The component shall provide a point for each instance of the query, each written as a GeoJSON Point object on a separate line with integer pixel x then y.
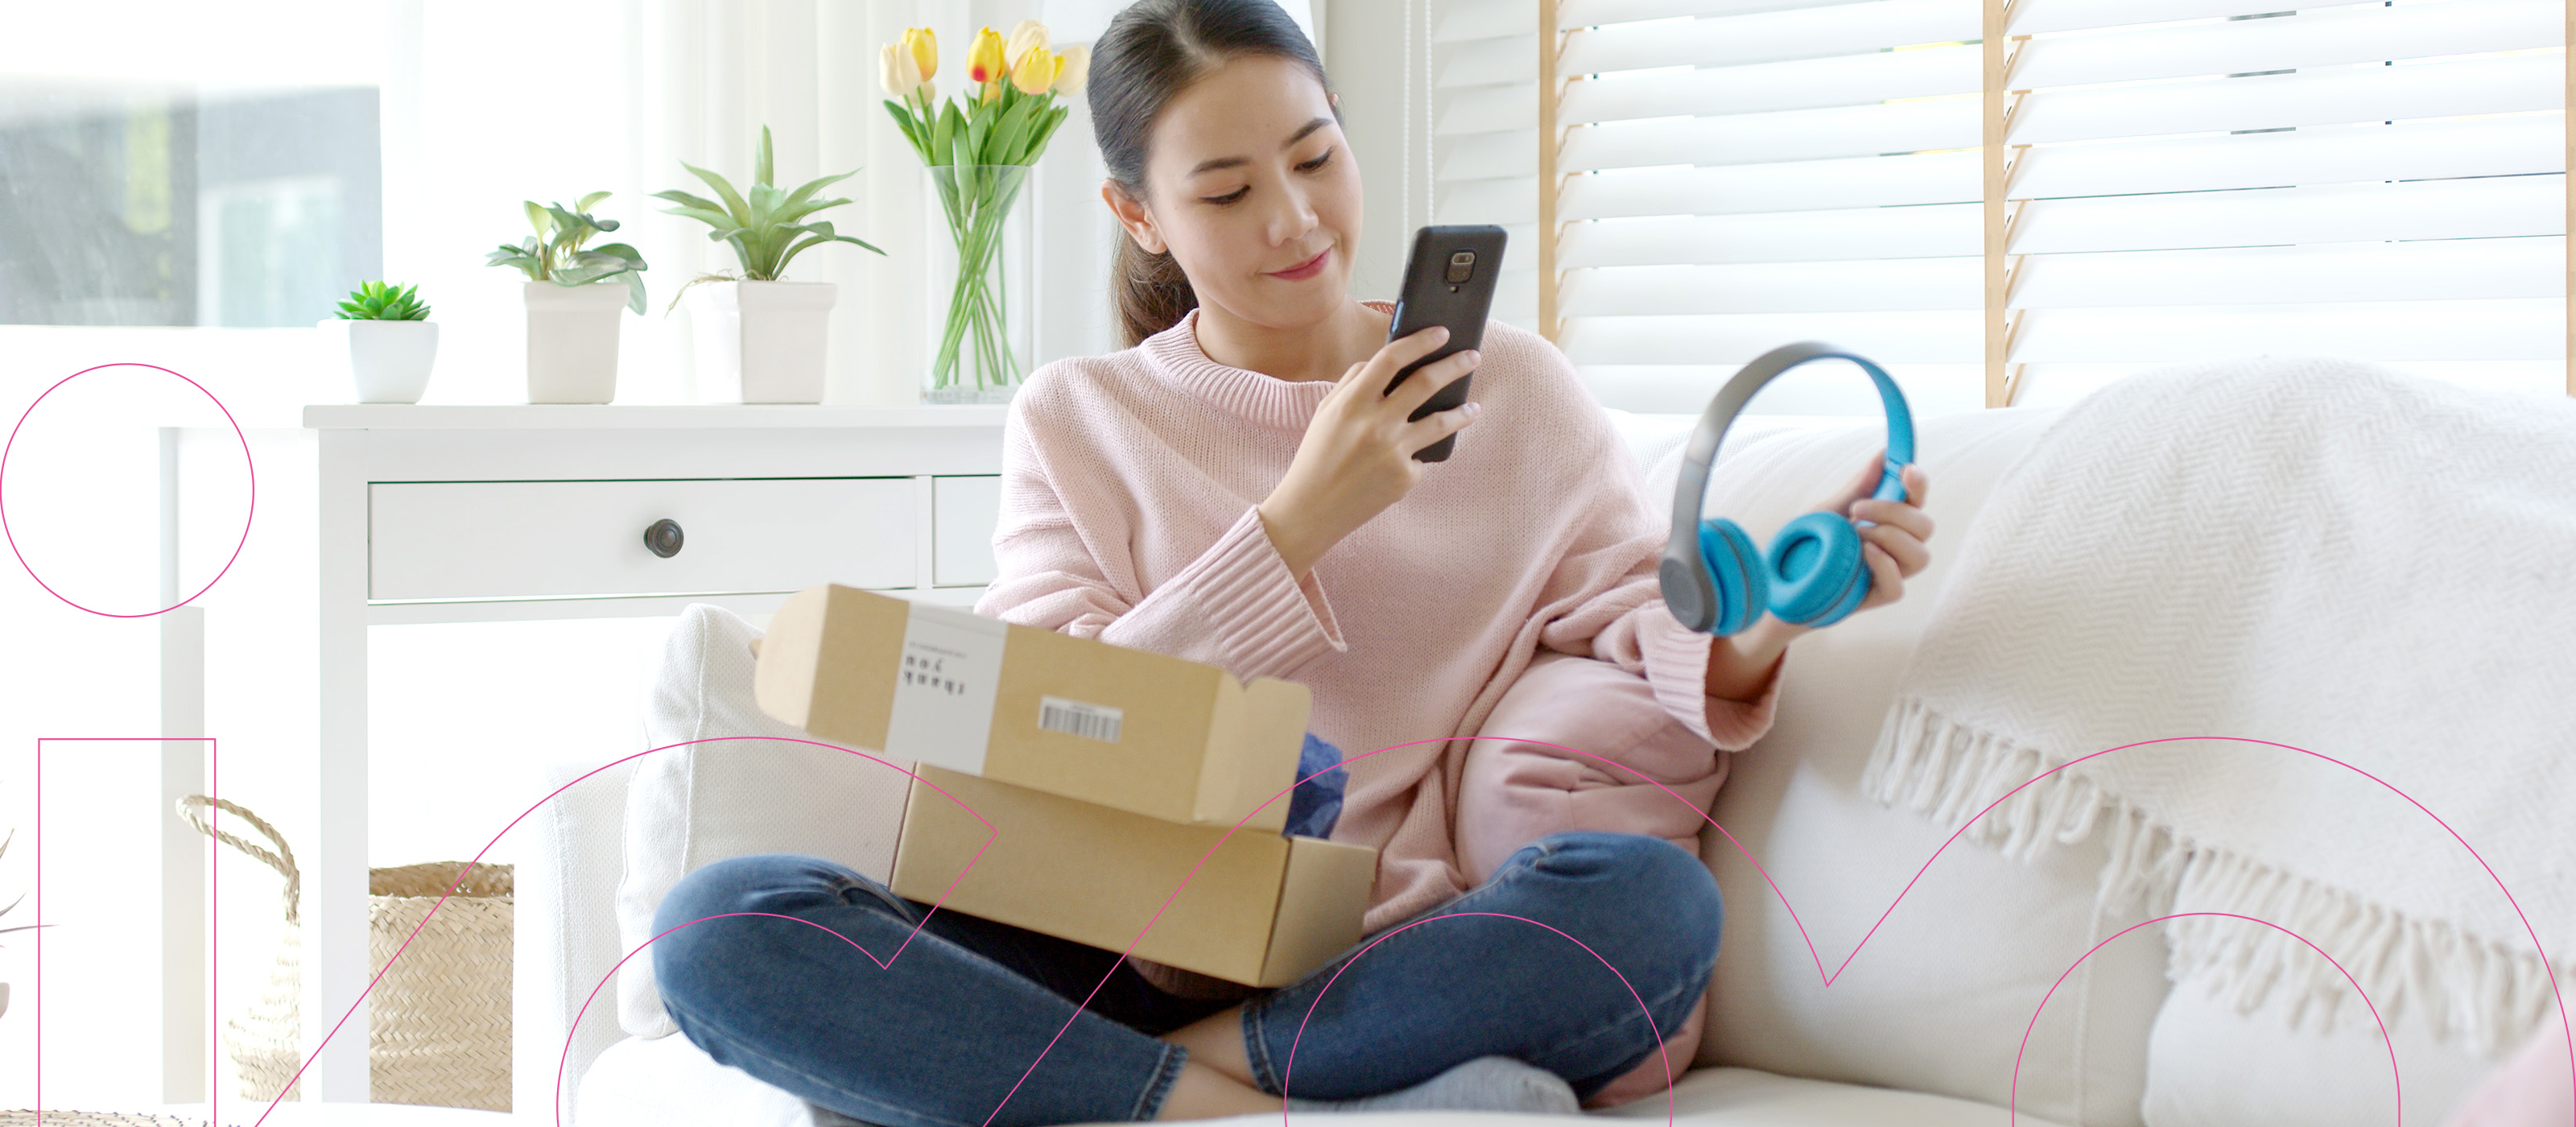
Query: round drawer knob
{"type": "Point", "coordinates": [664, 538]}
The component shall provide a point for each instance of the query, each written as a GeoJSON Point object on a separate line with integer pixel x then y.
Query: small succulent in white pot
{"type": "Point", "coordinates": [572, 296]}
{"type": "Point", "coordinates": [392, 342]}
{"type": "Point", "coordinates": [761, 339]}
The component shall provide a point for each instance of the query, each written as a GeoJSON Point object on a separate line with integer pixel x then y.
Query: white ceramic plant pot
{"type": "Point", "coordinates": [391, 359]}
{"type": "Point", "coordinates": [572, 341]}
{"type": "Point", "coordinates": [761, 342]}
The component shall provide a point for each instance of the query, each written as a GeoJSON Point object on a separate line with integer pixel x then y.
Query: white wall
{"type": "Point", "coordinates": [667, 81]}
{"type": "Point", "coordinates": [1368, 44]}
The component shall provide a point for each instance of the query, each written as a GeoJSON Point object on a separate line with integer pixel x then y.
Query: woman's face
{"type": "Point", "coordinates": [1251, 187]}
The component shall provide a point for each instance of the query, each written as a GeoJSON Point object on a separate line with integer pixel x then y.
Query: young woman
{"type": "Point", "coordinates": [1235, 488]}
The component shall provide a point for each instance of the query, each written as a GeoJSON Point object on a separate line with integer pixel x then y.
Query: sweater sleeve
{"type": "Point", "coordinates": [1061, 559]}
{"type": "Point", "coordinates": [1604, 599]}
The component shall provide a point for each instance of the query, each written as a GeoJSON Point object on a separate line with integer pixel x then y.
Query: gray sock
{"type": "Point", "coordinates": [1482, 1084]}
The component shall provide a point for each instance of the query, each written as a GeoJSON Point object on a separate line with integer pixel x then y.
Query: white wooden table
{"type": "Point", "coordinates": [491, 513]}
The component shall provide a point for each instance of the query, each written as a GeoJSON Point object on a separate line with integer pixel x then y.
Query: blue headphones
{"type": "Point", "coordinates": [1714, 581]}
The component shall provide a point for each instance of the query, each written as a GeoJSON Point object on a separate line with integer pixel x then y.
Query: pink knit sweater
{"type": "Point", "coordinates": [1128, 490]}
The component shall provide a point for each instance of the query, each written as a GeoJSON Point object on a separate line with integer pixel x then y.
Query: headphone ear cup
{"type": "Point", "coordinates": [1735, 571]}
{"type": "Point", "coordinates": [1815, 570]}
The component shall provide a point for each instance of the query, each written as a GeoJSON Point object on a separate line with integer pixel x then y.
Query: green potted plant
{"type": "Point", "coordinates": [572, 305]}
{"type": "Point", "coordinates": [392, 342]}
{"type": "Point", "coordinates": [760, 338]}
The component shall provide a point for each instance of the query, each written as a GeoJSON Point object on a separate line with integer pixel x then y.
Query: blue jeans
{"type": "Point", "coordinates": [946, 1034]}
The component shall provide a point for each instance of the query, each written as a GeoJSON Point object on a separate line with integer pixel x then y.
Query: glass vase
{"type": "Point", "coordinates": [982, 283]}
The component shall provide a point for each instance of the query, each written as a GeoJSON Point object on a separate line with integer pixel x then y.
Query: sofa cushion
{"type": "Point", "coordinates": [759, 786]}
{"type": "Point", "coordinates": [2532, 1086]}
{"type": "Point", "coordinates": [1941, 995]}
{"type": "Point", "coordinates": [2209, 1065]}
{"type": "Point", "coordinates": [565, 942]}
{"type": "Point", "coordinates": [671, 1082]}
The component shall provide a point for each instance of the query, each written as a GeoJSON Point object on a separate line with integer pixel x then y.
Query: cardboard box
{"type": "Point", "coordinates": [1125, 728]}
{"type": "Point", "coordinates": [1263, 910]}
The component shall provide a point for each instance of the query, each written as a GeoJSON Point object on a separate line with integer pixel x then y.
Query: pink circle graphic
{"type": "Point", "coordinates": [4, 490]}
{"type": "Point", "coordinates": [564, 1060]}
{"type": "Point", "coordinates": [2012, 1111]}
{"type": "Point", "coordinates": [1662, 1050]}
{"type": "Point", "coordinates": [1827, 978]}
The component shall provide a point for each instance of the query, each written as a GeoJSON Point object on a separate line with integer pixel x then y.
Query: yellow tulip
{"type": "Point", "coordinates": [924, 46]}
{"type": "Point", "coordinates": [984, 60]}
{"type": "Point", "coordinates": [1072, 67]}
{"type": "Point", "coordinates": [896, 71]}
{"type": "Point", "coordinates": [1029, 35]}
{"type": "Point", "coordinates": [1036, 71]}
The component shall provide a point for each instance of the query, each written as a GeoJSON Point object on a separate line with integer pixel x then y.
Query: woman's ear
{"type": "Point", "coordinates": [1132, 215]}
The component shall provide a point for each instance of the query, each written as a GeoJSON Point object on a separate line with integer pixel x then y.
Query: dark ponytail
{"type": "Point", "coordinates": [1151, 291]}
{"type": "Point", "coordinates": [1153, 50]}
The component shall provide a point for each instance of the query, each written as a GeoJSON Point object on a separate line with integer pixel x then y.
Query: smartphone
{"type": "Point", "coordinates": [1448, 280]}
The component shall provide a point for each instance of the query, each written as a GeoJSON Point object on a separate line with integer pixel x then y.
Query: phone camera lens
{"type": "Point", "coordinates": [1462, 266]}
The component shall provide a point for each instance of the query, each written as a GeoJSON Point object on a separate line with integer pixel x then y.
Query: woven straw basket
{"type": "Point", "coordinates": [439, 1019]}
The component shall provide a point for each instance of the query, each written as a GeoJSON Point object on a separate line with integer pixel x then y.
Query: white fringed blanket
{"type": "Point", "coordinates": [2367, 566]}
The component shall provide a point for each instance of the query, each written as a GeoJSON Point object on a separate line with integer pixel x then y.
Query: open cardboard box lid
{"type": "Point", "coordinates": [1262, 909]}
{"type": "Point", "coordinates": [1126, 728]}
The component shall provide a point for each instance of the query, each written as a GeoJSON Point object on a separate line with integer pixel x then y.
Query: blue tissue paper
{"type": "Point", "coordinates": [1317, 802]}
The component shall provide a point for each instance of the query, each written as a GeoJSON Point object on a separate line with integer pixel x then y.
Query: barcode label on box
{"type": "Point", "coordinates": [1074, 718]}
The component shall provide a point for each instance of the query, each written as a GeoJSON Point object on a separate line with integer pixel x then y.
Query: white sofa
{"type": "Point", "coordinates": [1929, 1023]}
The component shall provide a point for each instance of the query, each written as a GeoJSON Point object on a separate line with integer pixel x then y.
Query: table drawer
{"type": "Point", "coordinates": [502, 539]}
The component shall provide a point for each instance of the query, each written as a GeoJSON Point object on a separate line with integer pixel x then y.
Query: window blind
{"type": "Point", "coordinates": [1738, 174]}
{"type": "Point", "coordinates": [2383, 181]}
{"type": "Point", "coordinates": [2178, 180]}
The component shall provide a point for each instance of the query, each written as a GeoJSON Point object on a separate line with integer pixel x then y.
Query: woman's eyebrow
{"type": "Point", "coordinates": [1293, 138]}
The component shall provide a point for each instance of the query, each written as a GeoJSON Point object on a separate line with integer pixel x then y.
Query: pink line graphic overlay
{"type": "Point", "coordinates": [1826, 977]}
{"type": "Point", "coordinates": [247, 514]}
{"type": "Point", "coordinates": [2013, 1110]}
{"type": "Point", "coordinates": [564, 1060]}
{"type": "Point", "coordinates": [1661, 1052]}
{"type": "Point", "coordinates": [214, 1038]}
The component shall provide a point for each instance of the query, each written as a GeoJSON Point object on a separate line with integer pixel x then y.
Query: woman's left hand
{"type": "Point", "coordinates": [1893, 544]}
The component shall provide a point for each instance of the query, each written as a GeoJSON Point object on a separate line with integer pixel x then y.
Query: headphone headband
{"type": "Point", "coordinates": [1685, 582]}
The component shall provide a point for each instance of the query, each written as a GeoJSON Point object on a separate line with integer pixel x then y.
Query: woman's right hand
{"type": "Point", "coordinates": [1357, 456]}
